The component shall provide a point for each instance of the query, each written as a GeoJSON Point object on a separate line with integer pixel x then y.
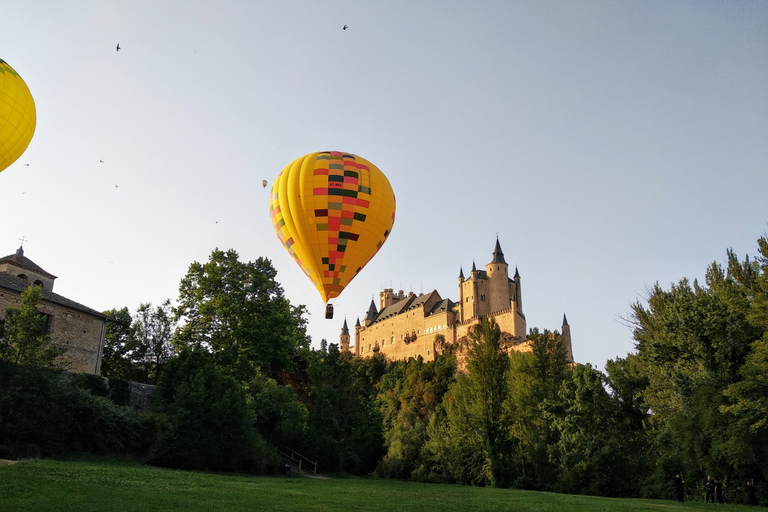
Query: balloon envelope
{"type": "Point", "coordinates": [17, 115]}
{"type": "Point", "coordinates": [332, 211]}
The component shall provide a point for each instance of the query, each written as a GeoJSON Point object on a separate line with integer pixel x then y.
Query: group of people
{"type": "Point", "coordinates": [713, 490]}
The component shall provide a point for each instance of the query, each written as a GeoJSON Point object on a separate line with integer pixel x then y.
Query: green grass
{"type": "Point", "coordinates": [106, 485]}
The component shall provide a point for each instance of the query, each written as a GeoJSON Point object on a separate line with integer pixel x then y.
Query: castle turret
{"type": "Point", "coordinates": [567, 340]}
{"type": "Point", "coordinates": [358, 327]}
{"type": "Point", "coordinates": [461, 294]}
{"type": "Point", "coordinates": [344, 337]}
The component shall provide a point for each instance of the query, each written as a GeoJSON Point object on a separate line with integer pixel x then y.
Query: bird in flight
{"type": "Point", "coordinates": [118, 47]}
{"type": "Point", "coordinates": [344, 27]}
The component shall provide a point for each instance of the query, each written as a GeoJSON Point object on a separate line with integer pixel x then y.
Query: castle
{"type": "Point", "coordinates": [409, 326]}
{"type": "Point", "coordinates": [77, 328]}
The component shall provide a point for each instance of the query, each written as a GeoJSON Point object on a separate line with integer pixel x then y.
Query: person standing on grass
{"type": "Point", "coordinates": [709, 489]}
{"type": "Point", "coordinates": [751, 493]}
{"type": "Point", "coordinates": [718, 491]}
{"type": "Point", "coordinates": [679, 490]}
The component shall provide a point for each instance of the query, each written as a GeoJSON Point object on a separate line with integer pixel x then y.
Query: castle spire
{"type": "Point", "coordinates": [345, 329]}
{"type": "Point", "coordinates": [517, 274]}
{"type": "Point", "coordinates": [474, 268]}
{"type": "Point", "coordinates": [565, 320]}
{"type": "Point", "coordinates": [372, 312]}
{"type": "Point", "coordinates": [461, 273]}
{"type": "Point", "coordinates": [498, 256]}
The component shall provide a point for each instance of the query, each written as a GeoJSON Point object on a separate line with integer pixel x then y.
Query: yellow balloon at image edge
{"type": "Point", "coordinates": [17, 115]}
{"type": "Point", "coordinates": [332, 211]}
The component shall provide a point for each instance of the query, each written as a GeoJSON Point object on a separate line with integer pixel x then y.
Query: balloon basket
{"type": "Point", "coordinates": [329, 311]}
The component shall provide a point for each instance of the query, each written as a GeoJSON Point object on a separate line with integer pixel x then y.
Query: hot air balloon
{"type": "Point", "coordinates": [332, 211]}
{"type": "Point", "coordinates": [17, 115]}
{"type": "Point", "coordinates": [263, 183]}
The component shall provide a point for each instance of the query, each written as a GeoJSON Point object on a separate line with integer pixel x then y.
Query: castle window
{"type": "Point", "coordinates": [23, 277]}
{"type": "Point", "coordinates": [482, 298]}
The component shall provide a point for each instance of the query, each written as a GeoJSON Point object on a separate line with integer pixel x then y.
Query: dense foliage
{"type": "Point", "coordinates": [236, 378]}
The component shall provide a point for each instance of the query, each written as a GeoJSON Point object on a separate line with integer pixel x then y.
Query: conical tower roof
{"type": "Point", "coordinates": [498, 256]}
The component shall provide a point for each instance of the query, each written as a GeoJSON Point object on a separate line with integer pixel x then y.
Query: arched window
{"type": "Point", "coordinates": [23, 277]}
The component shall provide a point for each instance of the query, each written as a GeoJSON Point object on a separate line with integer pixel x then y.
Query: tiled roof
{"type": "Point", "coordinates": [20, 260]}
{"type": "Point", "coordinates": [14, 283]}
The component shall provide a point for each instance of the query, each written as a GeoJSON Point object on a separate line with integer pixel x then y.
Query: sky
{"type": "Point", "coordinates": [609, 145]}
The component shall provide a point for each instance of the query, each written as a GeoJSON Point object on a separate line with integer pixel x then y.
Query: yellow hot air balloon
{"type": "Point", "coordinates": [332, 211]}
{"type": "Point", "coordinates": [17, 115]}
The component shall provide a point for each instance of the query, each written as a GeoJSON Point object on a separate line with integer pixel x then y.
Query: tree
{"type": "Point", "coordinates": [152, 331]}
{"type": "Point", "coordinates": [116, 360]}
{"type": "Point", "coordinates": [137, 348]}
{"type": "Point", "coordinates": [207, 423]}
{"type": "Point", "coordinates": [344, 424]}
{"type": "Point", "coordinates": [475, 446]}
{"type": "Point", "coordinates": [23, 340]}
{"type": "Point", "coordinates": [409, 394]}
{"type": "Point", "coordinates": [595, 451]}
{"type": "Point", "coordinates": [238, 312]}
{"type": "Point", "coordinates": [697, 346]}
{"type": "Point", "coordinates": [535, 377]}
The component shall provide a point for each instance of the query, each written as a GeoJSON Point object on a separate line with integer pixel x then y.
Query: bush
{"type": "Point", "coordinates": [119, 391]}
{"type": "Point", "coordinates": [44, 414]}
{"type": "Point", "coordinates": [94, 384]}
{"type": "Point", "coordinates": [207, 424]}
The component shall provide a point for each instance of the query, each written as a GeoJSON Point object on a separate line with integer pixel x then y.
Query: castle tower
{"type": "Point", "coordinates": [461, 294]}
{"type": "Point", "coordinates": [567, 339]}
{"type": "Point", "coordinates": [344, 337]}
{"type": "Point", "coordinates": [358, 327]}
{"type": "Point", "coordinates": [498, 288]}
{"type": "Point", "coordinates": [25, 269]}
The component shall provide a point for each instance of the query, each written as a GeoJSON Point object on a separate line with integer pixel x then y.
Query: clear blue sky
{"type": "Point", "coordinates": [610, 145]}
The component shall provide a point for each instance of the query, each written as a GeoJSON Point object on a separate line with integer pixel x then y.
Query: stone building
{"type": "Point", "coordinates": [405, 326]}
{"type": "Point", "coordinates": [77, 328]}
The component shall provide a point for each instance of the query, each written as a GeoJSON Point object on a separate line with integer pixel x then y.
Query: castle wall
{"type": "Point", "coordinates": [81, 334]}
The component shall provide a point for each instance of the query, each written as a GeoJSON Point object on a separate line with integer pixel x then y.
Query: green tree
{"type": "Point", "coordinates": [116, 359]}
{"type": "Point", "coordinates": [595, 451]}
{"type": "Point", "coordinates": [475, 446]}
{"type": "Point", "coordinates": [535, 377]}
{"type": "Point", "coordinates": [696, 344]}
{"type": "Point", "coordinates": [344, 423]}
{"type": "Point", "coordinates": [23, 340]}
{"type": "Point", "coordinates": [137, 347]}
{"type": "Point", "coordinates": [152, 331]}
{"type": "Point", "coordinates": [237, 311]}
{"type": "Point", "coordinates": [207, 423]}
{"type": "Point", "coordinates": [409, 394]}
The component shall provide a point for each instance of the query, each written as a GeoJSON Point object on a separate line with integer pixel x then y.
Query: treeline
{"type": "Point", "coordinates": [236, 375]}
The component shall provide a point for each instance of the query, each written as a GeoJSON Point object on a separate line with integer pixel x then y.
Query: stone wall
{"type": "Point", "coordinates": [79, 333]}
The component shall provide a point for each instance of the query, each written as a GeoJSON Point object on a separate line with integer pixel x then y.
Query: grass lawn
{"type": "Point", "coordinates": [106, 485]}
